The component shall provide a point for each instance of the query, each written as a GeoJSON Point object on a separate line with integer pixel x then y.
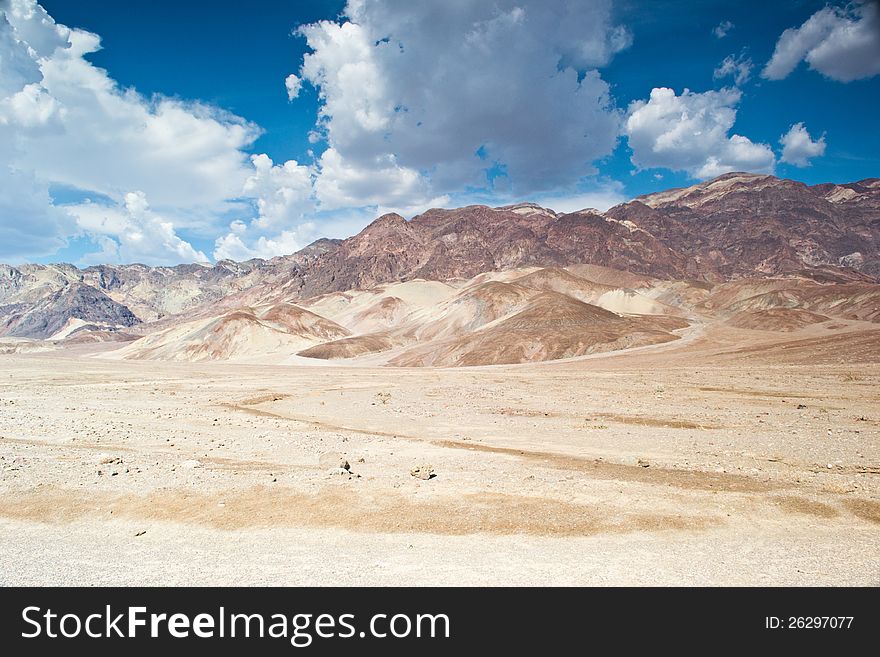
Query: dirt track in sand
{"type": "Point", "coordinates": [694, 464]}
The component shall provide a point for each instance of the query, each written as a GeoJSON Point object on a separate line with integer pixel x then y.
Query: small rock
{"type": "Point", "coordinates": [422, 472]}
{"type": "Point", "coordinates": [642, 463]}
{"type": "Point", "coordinates": [333, 460]}
{"type": "Point", "coordinates": [801, 406]}
{"type": "Point", "coordinates": [141, 533]}
{"type": "Point", "coordinates": [338, 472]}
{"type": "Point", "coordinates": [190, 464]}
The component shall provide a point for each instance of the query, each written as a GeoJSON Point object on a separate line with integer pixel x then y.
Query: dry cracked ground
{"type": "Point", "coordinates": [698, 463]}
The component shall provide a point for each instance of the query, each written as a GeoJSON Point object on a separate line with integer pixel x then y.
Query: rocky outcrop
{"type": "Point", "coordinates": [76, 301]}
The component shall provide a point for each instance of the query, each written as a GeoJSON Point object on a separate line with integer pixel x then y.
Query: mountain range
{"type": "Point", "coordinates": [582, 269]}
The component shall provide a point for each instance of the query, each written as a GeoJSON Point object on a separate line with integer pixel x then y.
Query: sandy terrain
{"type": "Point", "coordinates": [726, 457]}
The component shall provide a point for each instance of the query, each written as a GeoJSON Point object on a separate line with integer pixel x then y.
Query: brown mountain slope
{"type": "Point", "coordinates": [857, 301]}
{"type": "Point", "coordinates": [746, 224]}
{"type": "Point", "coordinates": [461, 243]}
{"type": "Point", "coordinates": [298, 321]}
{"type": "Point", "coordinates": [735, 226]}
{"type": "Point", "coordinates": [775, 319]}
{"type": "Point", "coordinates": [551, 326]}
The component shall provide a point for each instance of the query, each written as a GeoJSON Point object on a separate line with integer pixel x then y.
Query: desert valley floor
{"type": "Point", "coordinates": [724, 457]}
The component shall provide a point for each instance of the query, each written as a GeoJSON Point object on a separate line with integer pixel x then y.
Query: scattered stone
{"type": "Point", "coordinates": [190, 464]}
{"type": "Point", "coordinates": [338, 472]}
{"type": "Point", "coordinates": [422, 472]}
{"type": "Point", "coordinates": [642, 463]}
{"type": "Point", "coordinates": [107, 459]}
{"type": "Point", "coordinates": [141, 533]}
{"type": "Point", "coordinates": [333, 460]}
{"type": "Point", "coordinates": [801, 406]}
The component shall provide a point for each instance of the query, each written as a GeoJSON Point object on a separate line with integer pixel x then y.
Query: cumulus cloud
{"type": "Point", "coordinates": [842, 44]}
{"type": "Point", "coordinates": [738, 67]}
{"type": "Point", "coordinates": [29, 224]}
{"type": "Point", "coordinates": [380, 181]}
{"type": "Point", "coordinates": [419, 104]}
{"type": "Point", "coordinates": [232, 246]}
{"type": "Point", "coordinates": [65, 122]}
{"type": "Point", "coordinates": [720, 31]}
{"type": "Point", "coordinates": [293, 85]}
{"type": "Point", "coordinates": [244, 241]}
{"type": "Point", "coordinates": [283, 192]}
{"type": "Point", "coordinates": [424, 99]}
{"type": "Point", "coordinates": [601, 198]}
{"type": "Point", "coordinates": [132, 232]}
{"type": "Point", "coordinates": [283, 195]}
{"type": "Point", "coordinates": [798, 148]}
{"type": "Point", "coordinates": [690, 133]}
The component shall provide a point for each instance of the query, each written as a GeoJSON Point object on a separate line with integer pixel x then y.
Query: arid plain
{"type": "Point", "coordinates": [726, 457]}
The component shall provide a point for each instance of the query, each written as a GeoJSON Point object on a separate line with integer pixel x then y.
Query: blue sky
{"type": "Point", "coordinates": [165, 132]}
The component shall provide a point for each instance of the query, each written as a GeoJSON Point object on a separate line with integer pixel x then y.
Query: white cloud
{"type": "Point", "coordinates": [840, 43]}
{"type": "Point", "coordinates": [293, 85]}
{"type": "Point", "coordinates": [398, 139]}
{"type": "Point", "coordinates": [183, 155]}
{"type": "Point", "coordinates": [29, 224]}
{"type": "Point", "coordinates": [416, 101]}
{"type": "Point", "coordinates": [798, 148]}
{"type": "Point", "coordinates": [132, 232]}
{"type": "Point", "coordinates": [232, 246]}
{"type": "Point", "coordinates": [283, 192]}
{"type": "Point", "coordinates": [739, 67]}
{"type": "Point", "coordinates": [690, 133]}
{"type": "Point", "coordinates": [379, 181]}
{"type": "Point", "coordinates": [720, 31]}
{"type": "Point", "coordinates": [601, 198]}
{"type": "Point", "coordinates": [65, 122]}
